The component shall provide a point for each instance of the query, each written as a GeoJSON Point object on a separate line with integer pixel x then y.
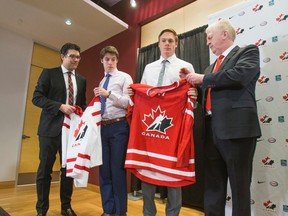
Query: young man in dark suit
{"type": "Point", "coordinates": [56, 93]}
{"type": "Point", "coordinates": [231, 122]}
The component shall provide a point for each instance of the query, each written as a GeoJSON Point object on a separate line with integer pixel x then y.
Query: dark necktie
{"type": "Point", "coordinates": [161, 74]}
{"type": "Point", "coordinates": [71, 90]}
{"type": "Point", "coordinates": [208, 98]}
{"type": "Point", "coordinates": [103, 99]}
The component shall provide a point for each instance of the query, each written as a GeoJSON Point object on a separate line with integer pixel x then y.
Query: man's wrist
{"type": "Point", "coordinates": [109, 93]}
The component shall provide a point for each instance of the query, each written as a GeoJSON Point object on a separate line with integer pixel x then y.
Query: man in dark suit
{"type": "Point", "coordinates": [231, 123]}
{"type": "Point", "coordinates": [52, 94]}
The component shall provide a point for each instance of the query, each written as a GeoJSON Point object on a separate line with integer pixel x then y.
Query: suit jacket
{"type": "Point", "coordinates": [50, 92]}
{"type": "Point", "coordinates": [234, 109]}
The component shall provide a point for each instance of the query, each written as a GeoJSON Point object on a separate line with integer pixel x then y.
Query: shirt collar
{"type": "Point", "coordinates": [65, 70]}
{"type": "Point", "coordinates": [227, 51]}
{"type": "Point", "coordinates": [170, 59]}
{"type": "Point", "coordinates": [111, 73]}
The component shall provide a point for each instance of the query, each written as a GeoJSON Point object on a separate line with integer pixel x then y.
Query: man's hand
{"type": "Point", "coordinates": [195, 78]}
{"type": "Point", "coordinates": [183, 73]}
{"type": "Point", "coordinates": [99, 91]}
{"type": "Point", "coordinates": [67, 109]}
{"type": "Point", "coordinates": [192, 93]}
{"type": "Point", "coordinates": [130, 91]}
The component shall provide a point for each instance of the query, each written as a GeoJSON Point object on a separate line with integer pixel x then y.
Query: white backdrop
{"type": "Point", "coordinates": [265, 23]}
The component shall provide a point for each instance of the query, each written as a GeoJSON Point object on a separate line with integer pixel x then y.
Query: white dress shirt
{"type": "Point", "coordinates": [117, 102]}
{"type": "Point", "coordinates": [171, 74]}
{"type": "Point", "coordinates": [65, 74]}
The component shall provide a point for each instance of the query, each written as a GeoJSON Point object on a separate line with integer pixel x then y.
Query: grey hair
{"type": "Point", "coordinates": [221, 26]}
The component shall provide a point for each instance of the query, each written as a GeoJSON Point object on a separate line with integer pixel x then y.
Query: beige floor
{"type": "Point", "coordinates": [20, 201]}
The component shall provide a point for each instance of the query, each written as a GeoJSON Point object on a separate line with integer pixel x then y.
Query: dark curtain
{"type": "Point", "coordinates": [191, 48]}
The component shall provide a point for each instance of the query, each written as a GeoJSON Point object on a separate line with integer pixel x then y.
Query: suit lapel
{"type": "Point", "coordinates": [78, 82]}
{"type": "Point", "coordinates": [227, 58]}
{"type": "Point", "coordinates": [60, 78]}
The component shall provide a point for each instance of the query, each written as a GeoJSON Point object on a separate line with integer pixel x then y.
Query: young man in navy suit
{"type": "Point", "coordinates": [52, 96]}
{"type": "Point", "coordinates": [231, 123]}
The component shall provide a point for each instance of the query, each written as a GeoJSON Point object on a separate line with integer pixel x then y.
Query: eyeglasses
{"type": "Point", "coordinates": [73, 56]}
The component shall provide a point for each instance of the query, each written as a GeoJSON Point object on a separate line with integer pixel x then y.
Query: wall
{"type": "Point", "coordinates": [15, 59]}
{"type": "Point", "coordinates": [184, 19]}
{"type": "Point", "coordinates": [42, 57]}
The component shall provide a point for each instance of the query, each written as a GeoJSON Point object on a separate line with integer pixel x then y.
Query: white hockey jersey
{"type": "Point", "coordinates": [81, 142]}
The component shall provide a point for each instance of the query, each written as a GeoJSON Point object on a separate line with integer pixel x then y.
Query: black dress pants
{"type": "Point", "coordinates": [227, 159]}
{"type": "Point", "coordinates": [49, 146]}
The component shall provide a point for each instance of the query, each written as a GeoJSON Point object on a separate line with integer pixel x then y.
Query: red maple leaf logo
{"type": "Point", "coordinates": [76, 132]}
{"type": "Point", "coordinates": [264, 161]}
{"type": "Point", "coordinates": [157, 121]}
{"type": "Point", "coordinates": [149, 119]}
{"type": "Point", "coordinates": [267, 203]}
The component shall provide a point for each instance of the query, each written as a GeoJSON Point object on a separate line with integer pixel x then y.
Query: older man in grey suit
{"type": "Point", "coordinates": [231, 123]}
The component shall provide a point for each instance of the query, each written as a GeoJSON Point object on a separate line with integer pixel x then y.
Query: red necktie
{"type": "Point", "coordinates": [208, 98]}
{"type": "Point", "coordinates": [71, 91]}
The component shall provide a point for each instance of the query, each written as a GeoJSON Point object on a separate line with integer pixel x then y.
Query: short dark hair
{"type": "Point", "coordinates": [69, 46]}
{"type": "Point", "coordinates": [171, 31]}
{"type": "Point", "coordinates": [109, 49]}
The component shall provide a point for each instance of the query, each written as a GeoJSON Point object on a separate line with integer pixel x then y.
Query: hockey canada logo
{"type": "Point", "coordinates": [263, 80]}
{"type": "Point", "coordinates": [268, 162]}
{"type": "Point", "coordinates": [285, 97]}
{"type": "Point", "coordinates": [157, 121]}
{"type": "Point", "coordinates": [257, 7]}
{"type": "Point", "coordinates": [239, 31]}
{"type": "Point", "coordinates": [269, 205]}
{"type": "Point", "coordinates": [284, 56]}
{"type": "Point", "coordinates": [80, 131]}
{"type": "Point", "coordinates": [260, 42]}
{"type": "Point", "coordinates": [282, 17]}
{"type": "Point", "coordinates": [266, 119]}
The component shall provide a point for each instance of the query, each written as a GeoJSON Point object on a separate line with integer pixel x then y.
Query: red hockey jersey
{"type": "Point", "coordinates": [161, 148]}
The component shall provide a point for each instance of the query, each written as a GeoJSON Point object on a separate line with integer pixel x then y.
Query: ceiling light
{"type": "Point", "coordinates": [68, 22]}
{"type": "Point", "coordinates": [133, 3]}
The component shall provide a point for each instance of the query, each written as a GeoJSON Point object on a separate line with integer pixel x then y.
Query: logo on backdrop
{"type": "Point", "coordinates": [268, 162]}
{"type": "Point", "coordinates": [274, 183]}
{"type": "Point", "coordinates": [266, 119]}
{"type": "Point", "coordinates": [239, 31]}
{"type": "Point", "coordinates": [269, 99]}
{"type": "Point", "coordinates": [263, 80]}
{"type": "Point", "coordinates": [278, 77]}
{"type": "Point", "coordinates": [272, 140]}
{"type": "Point", "coordinates": [260, 42]}
{"type": "Point", "coordinates": [266, 59]}
{"type": "Point", "coordinates": [285, 208]}
{"type": "Point", "coordinates": [275, 39]}
{"type": "Point", "coordinates": [284, 56]}
{"type": "Point", "coordinates": [269, 205]}
{"type": "Point", "coordinates": [281, 119]}
{"type": "Point", "coordinates": [271, 3]}
{"type": "Point", "coordinates": [257, 7]}
{"type": "Point", "coordinates": [285, 97]}
{"type": "Point", "coordinates": [283, 162]}
{"type": "Point", "coordinates": [282, 17]}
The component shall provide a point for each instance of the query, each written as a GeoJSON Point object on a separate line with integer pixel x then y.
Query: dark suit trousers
{"type": "Point", "coordinates": [231, 158]}
{"type": "Point", "coordinates": [48, 150]}
{"type": "Point", "coordinates": [113, 183]}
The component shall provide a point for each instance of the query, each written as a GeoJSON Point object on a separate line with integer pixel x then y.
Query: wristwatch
{"type": "Point", "coordinates": [109, 93]}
